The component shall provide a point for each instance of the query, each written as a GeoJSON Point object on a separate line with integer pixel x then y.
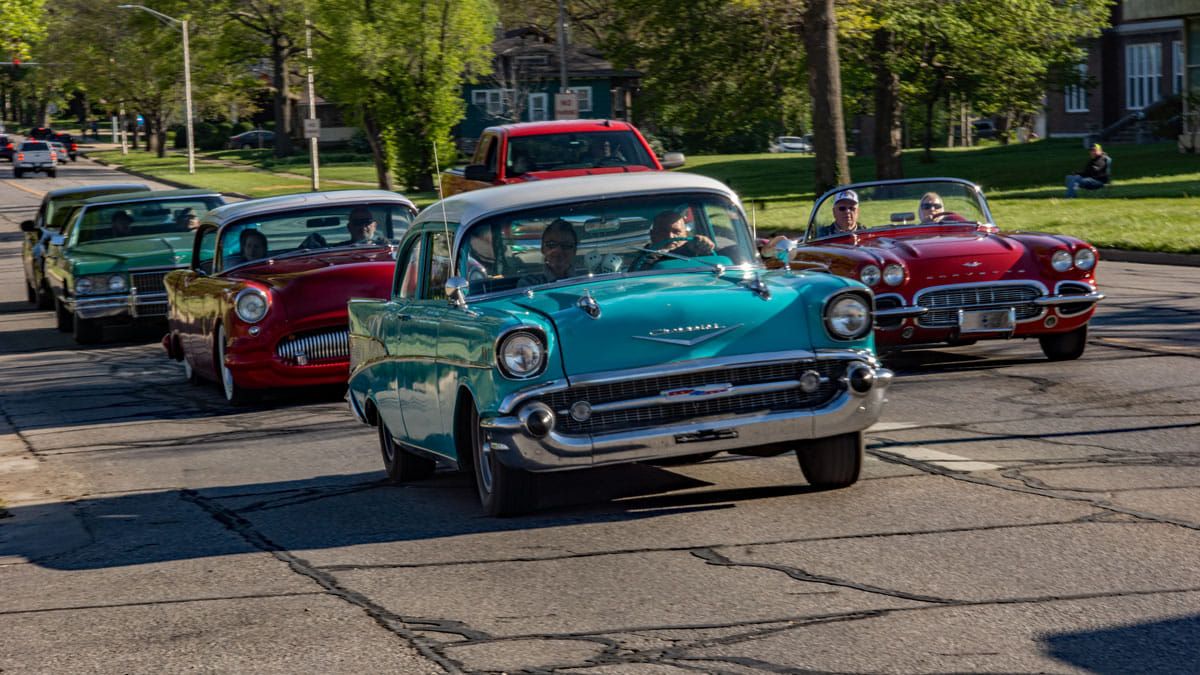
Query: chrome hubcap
{"type": "Point", "coordinates": [226, 374]}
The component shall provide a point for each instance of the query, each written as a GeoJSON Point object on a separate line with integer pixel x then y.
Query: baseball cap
{"type": "Point", "coordinates": [848, 195]}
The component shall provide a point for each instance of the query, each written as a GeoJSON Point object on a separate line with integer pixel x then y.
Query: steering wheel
{"type": "Point", "coordinates": [643, 260]}
{"type": "Point", "coordinates": [314, 240]}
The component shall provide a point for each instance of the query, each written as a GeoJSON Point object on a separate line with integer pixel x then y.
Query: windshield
{"type": "Point", "coordinates": [135, 219]}
{"type": "Point", "coordinates": [560, 243]}
{"type": "Point", "coordinates": [874, 207]}
{"type": "Point", "coordinates": [581, 150]}
{"type": "Point", "coordinates": [306, 230]}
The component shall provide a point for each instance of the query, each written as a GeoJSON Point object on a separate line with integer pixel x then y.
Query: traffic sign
{"type": "Point", "coordinates": [566, 106]}
{"type": "Point", "coordinates": [312, 128]}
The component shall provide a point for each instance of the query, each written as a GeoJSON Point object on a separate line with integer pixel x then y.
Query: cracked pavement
{"type": "Point", "coordinates": [153, 528]}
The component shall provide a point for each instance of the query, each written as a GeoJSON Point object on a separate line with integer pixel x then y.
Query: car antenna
{"type": "Point", "coordinates": [442, 202]}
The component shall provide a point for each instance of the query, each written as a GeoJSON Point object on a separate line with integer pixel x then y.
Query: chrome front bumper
{"type": "Point", "coordinates": [847, 412]}
{"type": "Point", "coordinates": [133, 305]}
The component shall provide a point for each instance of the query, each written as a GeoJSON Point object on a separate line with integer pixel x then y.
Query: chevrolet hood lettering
{"type": "Point", "coordinates": [687, 336]}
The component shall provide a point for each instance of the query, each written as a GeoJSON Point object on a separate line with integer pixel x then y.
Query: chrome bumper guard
{"type": "Point", "coordinates": [1049, 300]}
{"type": "Point", "coordinates": [847, 412]}
{"type": "Point", "coordinates": [133, 305]}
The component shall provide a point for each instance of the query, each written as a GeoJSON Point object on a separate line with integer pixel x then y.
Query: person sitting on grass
{"type": "Point", "coordinates": [1094, 174]}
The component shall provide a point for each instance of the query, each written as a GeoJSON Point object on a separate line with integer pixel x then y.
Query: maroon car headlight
{"type": "Point", "coordinates": [1061, 261]}
{"type": "Point", "coordinates": [251, 305]}
{"type": "Point", "coordinates": [1085, 259]}
{"type": "Point", "coordinates": [869, 275]}
{"type": "Point", "coordinates": [893, 275]}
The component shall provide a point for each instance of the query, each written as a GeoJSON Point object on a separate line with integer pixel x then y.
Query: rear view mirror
{"type": "Point", "coordinates": [28, 226]}
{"type": "Point", "coordinates": [903, 217]}
{"type": "Point", "coordinates": [672, 160]}
{"type": "Point", "coordinates": [479, 172]}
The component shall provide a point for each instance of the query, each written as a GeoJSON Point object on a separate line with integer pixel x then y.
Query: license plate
{"type": "Point", "coordinates": [986, 321]}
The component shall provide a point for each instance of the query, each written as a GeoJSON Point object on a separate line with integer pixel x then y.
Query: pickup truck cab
{"type": "Point", "coordinates": [517, 153]}
{"type": "Point", "coordinates": [34, 156]}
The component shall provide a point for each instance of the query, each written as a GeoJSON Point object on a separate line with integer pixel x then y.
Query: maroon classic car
{"type": "Point", "coordinates": [263, 304]}
{"type": "Point", "coordinates": [943, 273]}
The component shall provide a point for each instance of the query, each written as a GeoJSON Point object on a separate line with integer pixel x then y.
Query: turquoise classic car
{"type": "Point", "coordinates": [607, 319]}
{"type": "Point", "coordinates": [108, 264]}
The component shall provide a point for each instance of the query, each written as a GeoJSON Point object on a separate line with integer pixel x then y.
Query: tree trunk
{"type": "Point", "coordinates": [888, 161]}
{"type": "Point", "coordinates": [927, 140]}
{"type": "Point", "coordinates": [152, 144]}
{"type": "Point", "coordinates": [282, 107]}
{"type": "Point", "coordinates": [825, 89]}
{"type": "Point", "coordinates": [382, 171]}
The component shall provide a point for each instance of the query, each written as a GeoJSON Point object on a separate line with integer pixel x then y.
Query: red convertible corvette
{"type": "Point", "coordinates": [943, 273]}
{"type": "Point", "coordinates": [263, 304]}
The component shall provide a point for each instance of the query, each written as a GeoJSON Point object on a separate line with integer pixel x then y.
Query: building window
{"type": "Point", "coordinates": [1075, 96]}
{"type": "Point", "coordinates": [1143, 70]}
{"type": "Point", "coordinates": [494, 101]}
{"type": "Point", "coordinates": [1177, 65]}
{"type": "Point", "coordinates": [585, 98]}
{"type": "Point", "coordinates": [539, 107]}
{"type": "Point", "coordinates": [527, 60]}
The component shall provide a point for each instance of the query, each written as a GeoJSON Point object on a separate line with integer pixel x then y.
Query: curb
{"type": "Point", "coordinates": [1150, 257]}
{"type": "Point", "coordinates": [165, 181]}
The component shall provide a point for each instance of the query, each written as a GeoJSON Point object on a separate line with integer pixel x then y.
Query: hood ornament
{"type": "Point", "coordinates": [756, 285]}
{"type": "Point", "coordinates": [589, 305]}
{"type": "Point", "coordinates": [687, 336]}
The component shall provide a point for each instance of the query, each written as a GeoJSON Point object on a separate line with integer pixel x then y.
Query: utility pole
{"type": "Point", "coordinates": [181, 24]}
{"type": "Point", "coordinates": [562, 47]}
{"type": "Point", "coordinates": [312, 107]}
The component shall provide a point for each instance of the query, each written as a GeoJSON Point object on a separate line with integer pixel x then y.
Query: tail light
{"type": "Point", "coordinates": [20, 156]}
{"type": "Point", "coordinates": [53, 155]}
{"type": "Point", "coordinates": [9, 146]}
{"type": "Point", "coordinates": [74, 146]}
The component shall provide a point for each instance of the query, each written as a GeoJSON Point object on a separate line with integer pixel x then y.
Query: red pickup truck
{"type": "Point", "coordinates": [514, 153]}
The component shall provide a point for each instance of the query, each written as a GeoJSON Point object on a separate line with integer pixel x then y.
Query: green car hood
{"type": "Point", "coordinates": [659, 319]}
{"type": "Point", "coordinates": [115, 255]}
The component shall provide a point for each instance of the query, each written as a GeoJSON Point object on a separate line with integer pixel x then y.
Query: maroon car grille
{"type": "Point", "coordinates": [944, 303]}
{"type": "Point", "coordinates": [657, 415]}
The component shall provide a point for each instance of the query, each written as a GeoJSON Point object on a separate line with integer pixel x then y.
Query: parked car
{"type": "Point", "coordinates": [984, 128]}
{"type": "Point", "coordinates": [60, 151]}
{"type": "Point", "coordinates": [40, 133]}
{"type": "Point", "coordinates": [257, 138]}
{"type": "Point", "coordinates": [7, 148]}
{"type": "Point", "coordinates": [53, 213]}
{"type": "Point", "coordinates": [598, 346]}
{"type": "Point", "coordinates": [108, 265]}
{"type": "Point", "coordinates": [35, 157]}
{"type": "Point", "coordinates": [529, 151]}
{"type": "Point", "coordinates": [789, 144]}
{"type": "Point", "coordinates": [943, 273]}
{"type": "Point", "coordinates": [263, 303]}
{"type": "Point", "coordinates": [69, 143]}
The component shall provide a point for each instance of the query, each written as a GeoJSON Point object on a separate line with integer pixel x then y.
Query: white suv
{"type": "Point", "coordinates": [35, 156]}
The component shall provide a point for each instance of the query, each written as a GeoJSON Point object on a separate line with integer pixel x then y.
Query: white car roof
{"type": "Point", "coordinates": [253, 207]}
{"type": "Point", "coordinates": [467, 207]}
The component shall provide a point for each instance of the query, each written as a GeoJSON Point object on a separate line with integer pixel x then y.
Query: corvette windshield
{"type": "Point", "coordinates": [578, 241]}
{"type": "Point", "coordinates": [896, 205]}
{"type": "Point", "coordinates": [302, 231]}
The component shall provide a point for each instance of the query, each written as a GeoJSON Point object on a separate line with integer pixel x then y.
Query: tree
{"type": "Point", "coordinates": [399, 68]}
{"type": "Point", "coordinates": [832, 167]}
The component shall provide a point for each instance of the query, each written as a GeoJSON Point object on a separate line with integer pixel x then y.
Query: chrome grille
{"type": "Point", "coordinates": [944, 304]}
{"type": "Point", "coordinates": [330, 344]}
{"type": "Point", "coordinates": [149, 282]}
{"type": "Point", "coordinates": [654, 415]}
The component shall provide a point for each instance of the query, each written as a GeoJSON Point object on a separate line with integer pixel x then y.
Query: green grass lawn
{"type": "Point", "coordinates": [1152, 205]}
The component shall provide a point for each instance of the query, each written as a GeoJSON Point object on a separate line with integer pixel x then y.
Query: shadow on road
{"type": "Point", "coordinates": [1168, 646]}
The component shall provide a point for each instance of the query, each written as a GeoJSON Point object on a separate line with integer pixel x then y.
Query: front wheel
{"type": "Point", "coordinates": [86, 331]}
{"type": "Point", "coordinates": [17, 173]}
{"type": "Point", "coordinates": [833, 462]}
{"type": "Point", "coordinates": [401, 465]}
{"type": "Point", "coordinates": [30, 294]}
{"type": "Point", "coordinates": [45, 297]}
{"type": "Point", "coordinates": [234, 393]}
{"type": "Point", "coordinates": [1065, 346]}
{"type": "Point", "coordinates": [503, 491]}
{"type": "Point", "coordinates": [63, 319]}
{"type": "Point", "coordinates": [52, 173]}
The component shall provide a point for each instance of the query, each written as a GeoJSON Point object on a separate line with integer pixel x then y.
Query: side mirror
{"type": "Point", "coordinates": [456, 291]}
{"type": "Point", "coordinates": [783, 249]}
{"type": "Point", "coordinates": [58, 240]}
{"type": "Point", "coordinates": [28, 226]}
{"type": "Point", "coordinates": [672, 160]}
{"type": "Point", "coordinates": [479, 172]}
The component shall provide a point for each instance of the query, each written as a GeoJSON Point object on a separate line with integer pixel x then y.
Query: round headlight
{"type": "Point", "coordinates": [848, 317]}
{"type": "Point", "coordinates": [116, 283]}
{"type": "Point", "coordinates": [1085, 259]}
{"type": "Point", "coordinates": [893, 275]}
{"type": "Point", "coordinates": [522, 354]}
{"type": "Point", "coordinates": [1061, 261]}
{"type": "Point", "coordinates": [84, 285]}
{"type": "Point", "coordinates": [251, 305]}
{"type": "Point", "coordinates": [869, 275]}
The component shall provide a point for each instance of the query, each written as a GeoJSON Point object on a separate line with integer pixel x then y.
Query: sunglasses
{"type": "Point", "coordinates": [931, 205]}
{"type": "Point", "coordinates": [362, 223]}
{"type": "Point", "coordinates": [845, 209]}
{"type": "Point", "coordinates": [564, 245]}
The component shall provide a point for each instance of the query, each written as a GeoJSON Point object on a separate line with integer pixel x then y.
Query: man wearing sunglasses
{"type": "Point", "coordinates": [845, 215]}
{"type": "Point", "coordinates": [559, 242]}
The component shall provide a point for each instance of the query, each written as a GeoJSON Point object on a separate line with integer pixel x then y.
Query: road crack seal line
{"type": "Point", "coordinates": [711, 557]}
{"type": "Point", "coordinates": [400, 626]}
{"type": "Point", "coordinates": [157, 603]}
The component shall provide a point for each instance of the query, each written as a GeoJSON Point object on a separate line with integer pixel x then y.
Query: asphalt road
{"type": "Point", "coordinates": [1015, 515]}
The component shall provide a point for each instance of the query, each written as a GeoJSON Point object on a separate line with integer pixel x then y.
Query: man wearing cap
{"type": "Point", "coordinates": [361, 226]}
{"type": "Point", "coordinates": [1094, 174]}
{"type": "Point", "coordinates": [845, 215]}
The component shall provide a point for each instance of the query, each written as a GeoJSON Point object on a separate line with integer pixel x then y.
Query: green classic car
{"type": "Point", "coordinates": [607, 319]}
{"type": "Point", "coordinates": [107, 265]}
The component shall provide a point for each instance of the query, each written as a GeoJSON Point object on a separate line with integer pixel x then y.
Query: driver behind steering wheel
{"type": "Point", "coordinates": [669, 233]}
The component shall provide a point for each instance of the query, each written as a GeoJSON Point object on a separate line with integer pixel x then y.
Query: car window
{"type": "Point", "coordinates": [485, 147]}
{"type": "Point", "coordinates": [898, 204]}
{"type": "Point", "coordinates": [580, 150]}
{"type": "Point", "coordinates": [131, 219]}
{"type": "Point", "coordinates": [410, 270]}
{"type": "Point", "coordinates": [206, 250]}
{"type": "Point", "coordinates": [439, 267]}
{"type": "Point", "coordinates": [34, 147]}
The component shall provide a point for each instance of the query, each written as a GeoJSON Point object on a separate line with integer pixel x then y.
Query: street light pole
{"type": "Point", "coordinates": [312, 108]}
{"type": "Point", "coordinates": [182, 25]}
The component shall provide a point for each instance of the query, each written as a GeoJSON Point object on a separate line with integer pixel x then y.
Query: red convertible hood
{"type": "Point", "coordinates": [324, 282]}
{"type": "Point", "coordinates": [931, 248]}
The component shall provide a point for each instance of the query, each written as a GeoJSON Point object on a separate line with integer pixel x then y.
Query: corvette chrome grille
{"type": "Point", "coordinates": [669, 413]}
{"type": "Point", "coordinates": [944, 304]}
{"type": "Point", "coordinates": [330, 344]}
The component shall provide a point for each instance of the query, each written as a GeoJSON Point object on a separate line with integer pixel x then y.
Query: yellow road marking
{"type": "Point", "coordinates": [36, 193]}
